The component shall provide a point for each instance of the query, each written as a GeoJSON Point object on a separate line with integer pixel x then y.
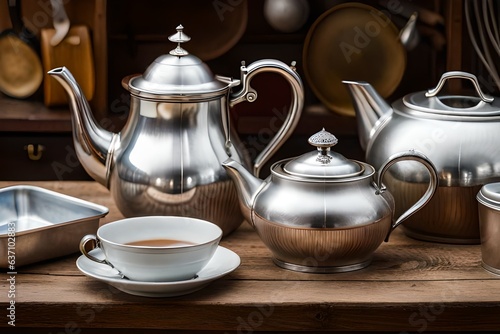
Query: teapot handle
{"type": "Point", "coordinates": [433, 182]}
{"type": "Point", "coordinates": [247, 93]}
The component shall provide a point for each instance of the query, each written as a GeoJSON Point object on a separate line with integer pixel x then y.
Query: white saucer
{"type": "Point", "coordinates": [222, 263]}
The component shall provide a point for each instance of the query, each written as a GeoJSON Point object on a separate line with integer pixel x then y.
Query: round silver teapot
{"type": "Point", "coordinates": [321, 212]}
{"type": "Point", "coordinates": [461, 136]}
{"type": "Point", "coordinates": [167, 158]}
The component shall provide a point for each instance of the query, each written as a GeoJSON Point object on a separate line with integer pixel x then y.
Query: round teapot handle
{"type": "Point", "coordinates": [247, 93]}
{"type": "Point", "coordinates": [433, 182]}
{"type": "Point", "coordinates": [459, 75]}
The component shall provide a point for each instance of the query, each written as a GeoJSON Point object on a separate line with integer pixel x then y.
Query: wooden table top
{"type": "Point", "coordinates": [411, 286]}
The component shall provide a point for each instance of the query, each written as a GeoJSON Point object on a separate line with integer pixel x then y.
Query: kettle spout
{"type": "Point", "coordinates": [93, 144]}
{"type": "Point", "coordinates": [370, 109]}
{"type": "Point", "coordinates": [247, 186]}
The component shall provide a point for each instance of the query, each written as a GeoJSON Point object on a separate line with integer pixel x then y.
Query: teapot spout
{"type": "Point", "coordinates": [370, 109]}
{"type": "Point", "coordinates": [93, 144]}
{"type": "Point", "coordinates": [247, 186]}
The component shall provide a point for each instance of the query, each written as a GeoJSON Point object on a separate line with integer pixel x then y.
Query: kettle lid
{"type": "Point", "coordinates": [323, 163]}
{"type": "Point", "coordinates": [176, 73]}
{"type": "Point", "coordinates": [454, 105]}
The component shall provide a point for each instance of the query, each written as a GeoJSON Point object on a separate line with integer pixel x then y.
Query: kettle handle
{"type": "Point", "coordinates": [459, 75]}
{"type": "Point", "coordinates": [247, 93]}
{"type": "Point", "coordinates": [431, 189]}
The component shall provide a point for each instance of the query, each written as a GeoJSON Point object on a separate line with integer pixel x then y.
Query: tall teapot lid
{"type": "Point", "coordinates": [176, 74]}
{"type": "Point", "coordinates": [323, 163]}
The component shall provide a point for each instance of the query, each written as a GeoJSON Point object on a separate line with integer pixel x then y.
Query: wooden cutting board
{"type": "Point", "coordinates": [75, 53]}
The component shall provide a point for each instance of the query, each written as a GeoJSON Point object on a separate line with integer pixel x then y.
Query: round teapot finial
{"type": "Point", "coordinates": [179, 37]}
{"type": "Point", "coordinates": [323, 140]}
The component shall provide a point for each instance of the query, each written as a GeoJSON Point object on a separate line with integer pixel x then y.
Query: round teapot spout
{"type": "Point", "coordinates": [93, 144]}
{"type": "Point", "coordinates": [370, 109]}
{"type": "Point", "coordinates": [247, 186]}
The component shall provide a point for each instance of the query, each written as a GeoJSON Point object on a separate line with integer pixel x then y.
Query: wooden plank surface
{"type": "Point", "coordinates": [411, 286]}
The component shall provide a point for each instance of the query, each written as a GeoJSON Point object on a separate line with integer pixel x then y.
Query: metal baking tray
{"type": "Point", "coordinates": [46, 224]}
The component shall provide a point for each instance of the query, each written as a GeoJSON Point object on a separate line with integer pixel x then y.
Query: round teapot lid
{"type": "Point", "coordinates": [323, 163]}
{"type": "Point", "coordinates": [177, 72]}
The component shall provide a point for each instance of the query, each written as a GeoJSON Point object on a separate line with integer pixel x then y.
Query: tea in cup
{"type": "Point", "coordinates": [155, 248]}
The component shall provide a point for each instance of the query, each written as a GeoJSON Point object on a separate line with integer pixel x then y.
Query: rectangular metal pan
{"type": "Point", "coordinates": [37, 224]}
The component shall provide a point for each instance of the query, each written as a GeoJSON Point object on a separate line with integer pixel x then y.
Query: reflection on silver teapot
{"type": "Point", "coordinates": [167, 158]}
{"type": "Point", "coordinates": [321, 212]}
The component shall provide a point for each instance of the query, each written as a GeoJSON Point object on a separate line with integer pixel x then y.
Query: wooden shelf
{"type": "Point", "coordinates": [32, 116]}
{"type": "Point", "coordinates": [313, 118]}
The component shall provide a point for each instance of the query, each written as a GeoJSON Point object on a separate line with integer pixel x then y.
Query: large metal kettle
{"type": "Point", "coordinates": [460, 135]}
{"type": "Point", "coordinates": [167, 158]}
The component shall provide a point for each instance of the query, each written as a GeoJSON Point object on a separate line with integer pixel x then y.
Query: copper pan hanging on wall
{"type": "Point", "coordinates": [21, 71]}
{"type": "Point", "coordinates": [354, 40]}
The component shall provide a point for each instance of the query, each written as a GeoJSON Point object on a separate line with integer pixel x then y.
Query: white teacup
{"type": "Point", "coordinates": [156, 248]}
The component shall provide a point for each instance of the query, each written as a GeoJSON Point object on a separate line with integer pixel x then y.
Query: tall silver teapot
{"type": "Point", "coordinates": [167, 158]}
{"type": "Point", "coordinates": [459, 133]}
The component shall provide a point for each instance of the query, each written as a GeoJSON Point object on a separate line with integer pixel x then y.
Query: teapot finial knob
{"type": "Point", "coordinates": [323, 141]}
{"type": "Point", "coordinates": [179, 37]}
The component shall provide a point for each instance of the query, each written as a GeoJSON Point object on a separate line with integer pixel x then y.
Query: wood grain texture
{"type": "Point", "coordinates": [74, 52]}
{"type": "Point", "coordinates": [411, 285]}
